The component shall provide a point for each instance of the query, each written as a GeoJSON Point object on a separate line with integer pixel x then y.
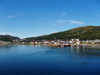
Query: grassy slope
{"type": "Point", "coordinates": [83, 33]}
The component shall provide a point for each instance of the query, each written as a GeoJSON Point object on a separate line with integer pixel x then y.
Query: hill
{"type": "Point", "coordinates": [8, 38]}
{"type": "Point", "coordinates": [83, 33]}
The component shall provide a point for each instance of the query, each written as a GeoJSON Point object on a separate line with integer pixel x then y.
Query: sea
{"type": "Point", "coordinates": [47, 60]}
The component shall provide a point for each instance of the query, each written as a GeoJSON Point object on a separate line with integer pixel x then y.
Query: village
{"type": "Point", "coordinates": [61, 43]}
{"type": "Point", "coordinates": [56, 43]}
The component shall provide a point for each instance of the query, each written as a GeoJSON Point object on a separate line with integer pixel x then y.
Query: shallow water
{"type": "Point", "coordinates": [45, 60]}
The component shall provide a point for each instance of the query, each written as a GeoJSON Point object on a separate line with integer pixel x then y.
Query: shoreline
{"type": "Point", "coordinates": [56, 45]}
{"type": "Point", "coordinates": [90, 45]}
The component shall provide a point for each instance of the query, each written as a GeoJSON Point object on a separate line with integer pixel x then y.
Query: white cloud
{"type": "Point", "coordinates": [6, 33]}
{"type": "Point", "coordinates": [11, 16]}
{"type": "Point", "coordinates": [54, 32]}
{"type": "Point", "coordinates": [63, 14]}
{"type": "Point", "coordinates": [71, 21]}
{"type": "Point", "coordinates": [76, 22]}
{"type": "Point", "coordinates": [62, 21]}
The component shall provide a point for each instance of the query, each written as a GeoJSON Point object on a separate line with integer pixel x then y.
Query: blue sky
{"type": "Point", "coordinates": [29, 18]}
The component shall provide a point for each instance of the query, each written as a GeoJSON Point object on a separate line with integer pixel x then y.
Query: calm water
{"type": "Point", "coordinates": [45, 60]}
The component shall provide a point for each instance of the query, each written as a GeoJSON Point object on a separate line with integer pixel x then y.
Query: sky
{"type": "Point", "coordinates": [31, 18]}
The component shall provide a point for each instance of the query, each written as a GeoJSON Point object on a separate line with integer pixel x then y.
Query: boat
{"type": "Point", "coordinates": [66, 45]}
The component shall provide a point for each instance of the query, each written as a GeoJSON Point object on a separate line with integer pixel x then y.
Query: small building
{"type": "Point", "coordinates": [75, 40]}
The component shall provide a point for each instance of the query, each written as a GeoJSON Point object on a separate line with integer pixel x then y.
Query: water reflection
{"type": "Point", "coordinates": [87, 50]}
{"type": "Point", "coordinates": [7, 47]}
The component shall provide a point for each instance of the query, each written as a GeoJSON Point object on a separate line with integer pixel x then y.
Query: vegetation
{"type": "Point", "coordinates": [83, 33]}
{"type": "Point", "coordinates": [8, 38]}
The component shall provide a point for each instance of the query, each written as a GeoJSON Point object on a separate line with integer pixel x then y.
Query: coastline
{"type": "Point", "coordinates": [56, 45]}
{"type": "Point", "coordinates": [90, 45]}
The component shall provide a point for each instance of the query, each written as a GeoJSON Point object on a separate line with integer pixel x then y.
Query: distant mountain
{"type": "Point", "coordinates": [83, 33]}
{"type": "Point", "coordinates": [8, 38]}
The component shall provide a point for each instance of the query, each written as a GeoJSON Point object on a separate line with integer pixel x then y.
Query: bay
{"type": "Point", "coordinates": [46, 60]}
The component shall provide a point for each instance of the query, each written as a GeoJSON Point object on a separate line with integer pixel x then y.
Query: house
{"type": "Point", "coordinates": [74, 40]}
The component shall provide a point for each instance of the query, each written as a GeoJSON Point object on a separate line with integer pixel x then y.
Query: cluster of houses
{"type": "Point", "coordinates": [96, 41]}
{"type": "Point", "coordinates": [4, 43]}
{"type": "Point", "coordinates": [61, 42]}
{"type": "Point", "coordinates": [57, 42]}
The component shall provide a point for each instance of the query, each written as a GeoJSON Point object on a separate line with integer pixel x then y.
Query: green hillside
{"type": "Point", "coordinates": [8, 38]}
{"type": "Point", "coordinates": [83, 33]}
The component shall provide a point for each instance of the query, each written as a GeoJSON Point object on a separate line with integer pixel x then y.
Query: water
{"type": "Point", "coordinates": [45, 60]}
